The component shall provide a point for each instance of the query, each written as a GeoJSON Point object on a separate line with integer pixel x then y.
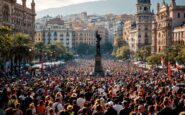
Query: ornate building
{"type": "Point", "coordinates": [88, 35]}
{"type": "Point", "coordinates": [141, 28]}
{"type": "Point", "coordinates": [52, 34]}
{"type": "Point", "coordinates": [179, 35]}
{"type": "Point", "coordinates": [166, 25]}
{"type": "Point", "coordinates": [18, 17]}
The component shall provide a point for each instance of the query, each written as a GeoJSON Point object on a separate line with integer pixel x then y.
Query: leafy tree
{"type": "Point", "coordinates": [56, 50]}
{"type": "Point", "coordinates": [39, 50]}
{"type": "Point", "coordinates": [122, 52]}
{"type": "Point", "coordinates": [154, 59]}
{"type": "Point", "coordinates": [20, 50]}
{"type": "Point", "coordinates": [143, 53]}
{"type": "Point", "coordinates": [5, 43]}
{"type": "Point", "coordinates": [68, 56]}
{"type": "Point", "coordinates": [181, 56]}
{"type": "Point", "coordinates": [173, 53]}
{"type": "Point", "coordinates": [119, 42]}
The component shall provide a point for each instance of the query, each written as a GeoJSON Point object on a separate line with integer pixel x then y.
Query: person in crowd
{"type": "Point", "coordinates": [70, 90]}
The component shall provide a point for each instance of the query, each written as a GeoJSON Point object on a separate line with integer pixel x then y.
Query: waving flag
{"type": "Point", "coordinates": [162, 61]}
{"type": "Point", "coordinates": [169, 69]}
{"type": "Point", "coordinates": [177, 65]}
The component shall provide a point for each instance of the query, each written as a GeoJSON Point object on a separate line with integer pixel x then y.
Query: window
{"type": "Point", "coordinates": [178, 15]}
{"type": "Point", "coordinates": [146, 41]}
{"type": "Point", "coordinates": [61, 35]}
{"type": "Point", "coordinates": [146, 35]}
{"type": "Point", "coordinates": [6, 13]}
{"type": "Point", "coordinates": [145, 8]}
{"type": "Point", "coordinates": [55, 34]}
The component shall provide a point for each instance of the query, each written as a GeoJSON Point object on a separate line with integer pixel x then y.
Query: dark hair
{"type": "Point", "coordinates": [63, 113]}
{"type": "Point", "coordinates": [151, 108]}
{"type": "Point", "coordinates": [9, 111]}
{"type": "Point", "coordinates": [28, 112]}
{"type": "Point", "coordinates": [51, 110]}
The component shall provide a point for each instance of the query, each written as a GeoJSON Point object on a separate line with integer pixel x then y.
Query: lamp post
{"type": "Point", "coordinates": [145, 59]}
{"type": "Point", "coordinates": [49, 37]}
{"type": "Point", "coordinates": [67, 38]}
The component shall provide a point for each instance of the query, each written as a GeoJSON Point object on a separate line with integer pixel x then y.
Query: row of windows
{"type": "Point", "coordinates": [180, 34]}
{"type": "Point", "coordinates": [179, 15]}
{"type": "Point", "coordinates": [87, 39]}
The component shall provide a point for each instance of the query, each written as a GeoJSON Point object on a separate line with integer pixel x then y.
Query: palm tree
{"type": "Point", "coordinates": [21, 49]}
{"type": "Point", "coordinates": [39, 49]}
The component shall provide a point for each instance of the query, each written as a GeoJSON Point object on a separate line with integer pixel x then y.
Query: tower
{"type": "Point", "coordinates": [33, 6]}
{"type": "Point", "coordinates": [144, 19]}
{"type": "Point", "coordinates": [158, 7]}
{"type": "Point", "coordinates": [24, 3]}
{"type": "Point", "coordinates": [173, 4]}
{"type": "Point", "coordinates": [143, 6]}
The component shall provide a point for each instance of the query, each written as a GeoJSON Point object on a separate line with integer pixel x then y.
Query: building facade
{"type": "Point", "coordinates": [167, 26]}
{"type": "Point", "coordinates": [88, 36]}
{"type": "Point", "coordinates": [143, 17]}
{"type": "Point", "coordinates": [137, 32]}
{"type": "Point", "coordinates": [126, 31]}
{"type": "Point", "coordinates": [38, 37]}
{"type": "Point", "coordinates": [52, 34]}
{"type": "Point", "coordinates": [18, 17]}
{"type": "Point", "coordinates": [179, 35]}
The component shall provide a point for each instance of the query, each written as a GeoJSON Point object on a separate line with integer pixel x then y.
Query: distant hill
{"type": "Point", "coordinates": [100, 7]}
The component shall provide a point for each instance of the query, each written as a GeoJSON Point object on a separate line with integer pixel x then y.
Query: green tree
{"type": "Point", "coordinates": [119, 42]}
{"type": "Point", "coordinates": [20, 50]}
{"type": "Point", "coordinates": [68, 56]}
{"type": "Point", "coordinates": [154, 59]}
{"type": "Point", "coordinates": [122, 52]}
{"type": "Point", "coordinates": [56, 50]}
{"type": "Point", "coordinates": [143, 53]}
{"type": "Point", "coordinates": [181, 56]}
{"type": "Point", "coordinates": [40, 49]}
{"type": "Point", "coordinates": [5, 43]}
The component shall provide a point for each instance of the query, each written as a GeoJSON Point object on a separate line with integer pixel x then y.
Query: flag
{"type": "Point", "coordinates": [162, 61]}
{"type": "Point", "coordinates": [177, 65]}
{"type": "Point", "coordinates": [169, 69]}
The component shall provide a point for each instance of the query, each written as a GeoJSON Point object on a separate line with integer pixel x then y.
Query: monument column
{"type": "Point", "coordinates": [98, 70]}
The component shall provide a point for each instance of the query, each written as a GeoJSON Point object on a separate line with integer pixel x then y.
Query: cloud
{"type": "Point", "coordinates": [45, 4]}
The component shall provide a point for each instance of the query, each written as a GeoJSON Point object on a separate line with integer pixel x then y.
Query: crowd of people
{"type": "Point", "coordinates": [70, 90]}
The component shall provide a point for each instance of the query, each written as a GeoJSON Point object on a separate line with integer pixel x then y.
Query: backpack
{"type": "Point", "coordinates": [56, 108]}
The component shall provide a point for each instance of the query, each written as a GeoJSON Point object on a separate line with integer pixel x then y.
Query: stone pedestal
{"type": "Point", "coordinates": [98, 70]}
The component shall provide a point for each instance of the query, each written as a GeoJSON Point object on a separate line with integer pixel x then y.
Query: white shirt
{"type": "Point", "coordinates": [80, 102]}
{"type": "Point", "coordinates": [118, 108]}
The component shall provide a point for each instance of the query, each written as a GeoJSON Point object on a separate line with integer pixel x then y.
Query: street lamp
{"type": "Point", "coordinates": [67, 38]}
{"type": "Point", "coordinates": [49, 36]}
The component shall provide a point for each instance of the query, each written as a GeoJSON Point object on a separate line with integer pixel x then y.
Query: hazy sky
{"type": "Point", "coordinates": [45, 4]}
